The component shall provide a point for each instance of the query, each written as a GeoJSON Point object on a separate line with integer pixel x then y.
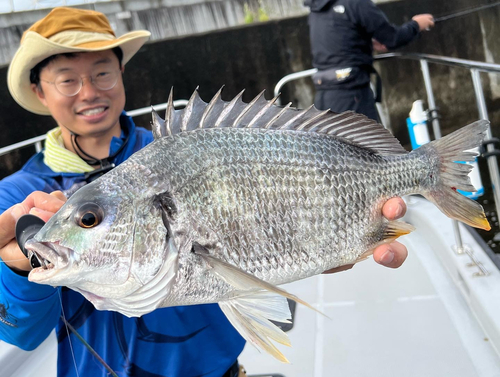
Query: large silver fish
{"type": "Point", "coordinates": [232, 199]}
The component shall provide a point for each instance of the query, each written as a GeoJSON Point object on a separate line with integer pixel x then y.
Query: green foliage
{"type": "Point", "coordinates": [251, 16]}
{"type": "Point", "coordinates": [263, 15]}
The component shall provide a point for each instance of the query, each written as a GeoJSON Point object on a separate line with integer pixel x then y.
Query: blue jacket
{"type": "Point", "coordinates": [179, 341]}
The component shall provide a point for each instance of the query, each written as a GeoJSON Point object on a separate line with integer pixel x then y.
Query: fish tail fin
{"type": "Point", "coordinates": [453, 175]}
{"type": "Point", "coordinates": [257, 304]}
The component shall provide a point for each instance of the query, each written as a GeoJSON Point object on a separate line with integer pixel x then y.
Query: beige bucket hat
{"type": "Point", "coordinates": [64, 30]}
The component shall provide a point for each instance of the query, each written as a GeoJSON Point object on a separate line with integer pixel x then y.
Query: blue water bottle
{"type": "Point", "coordinates": [417, 125]}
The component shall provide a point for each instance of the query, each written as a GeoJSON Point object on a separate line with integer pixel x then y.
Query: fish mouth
{"type": "Point", "coordinates": [53, 258]}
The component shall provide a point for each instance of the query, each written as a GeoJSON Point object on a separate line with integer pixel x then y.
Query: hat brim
{"type": "Point", "coordinates": [36, 48]}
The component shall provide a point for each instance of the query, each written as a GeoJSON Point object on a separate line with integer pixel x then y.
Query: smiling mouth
{"type": "Point", "coordinates": [94, 111]}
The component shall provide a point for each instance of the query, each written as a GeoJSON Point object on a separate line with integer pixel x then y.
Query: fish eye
{"type": "Point", "coordinates": [89, 215]}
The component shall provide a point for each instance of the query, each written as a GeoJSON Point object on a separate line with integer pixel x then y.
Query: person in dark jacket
{"type": "Point", "coordinates": [343, 34]}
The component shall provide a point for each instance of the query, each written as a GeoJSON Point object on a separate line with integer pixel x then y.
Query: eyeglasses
{"type": "Point", "coordinates": [69, 84]}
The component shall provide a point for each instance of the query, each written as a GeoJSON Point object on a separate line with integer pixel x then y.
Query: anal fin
{"type": "Point", "coordinates": [251, 315]}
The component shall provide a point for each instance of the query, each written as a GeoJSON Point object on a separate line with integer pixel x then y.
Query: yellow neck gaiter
{"type": "Point", "coordinates": [59, 159]}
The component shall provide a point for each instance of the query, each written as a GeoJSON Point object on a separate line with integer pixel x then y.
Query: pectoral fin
{"type": "Point", "coordinates": [395, 229]}
{"type": "Point", "coordinates": [391, 231]}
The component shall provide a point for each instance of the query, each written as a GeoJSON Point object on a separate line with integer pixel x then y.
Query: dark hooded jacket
{"type": "Point", "coordinates": [341, 33]}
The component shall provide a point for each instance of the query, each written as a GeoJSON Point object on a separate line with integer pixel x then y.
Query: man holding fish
{"type": "Point", "coordinates": [69, 66]}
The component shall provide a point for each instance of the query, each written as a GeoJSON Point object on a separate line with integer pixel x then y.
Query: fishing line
{"type": "Point", "coordinates": [69, 328]}
{"type": "Point", "coordinates": [63, 316]}
{"type": "Point", "coordinates": [465, 12]}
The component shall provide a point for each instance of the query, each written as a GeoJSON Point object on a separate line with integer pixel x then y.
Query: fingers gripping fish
{"type": "Point", "coordinates": [232, 199]}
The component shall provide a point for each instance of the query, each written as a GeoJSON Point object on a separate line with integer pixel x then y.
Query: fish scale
{"type": "Point", "coordinates": [226, 143]}
{"type": "Point", "coordinates": [233, 198]}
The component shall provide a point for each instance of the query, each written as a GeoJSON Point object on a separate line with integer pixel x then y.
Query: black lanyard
{"type": "Point", "coordinates": [105, 163]}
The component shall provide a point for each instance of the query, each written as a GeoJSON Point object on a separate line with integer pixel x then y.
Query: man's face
{"type": "Point", "coordinates": [92, 112]}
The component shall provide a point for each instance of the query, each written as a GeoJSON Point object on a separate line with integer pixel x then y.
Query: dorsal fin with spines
{"type": "Point", "coordinates": [350, 127]}
{"type": "Point", "coordinates": [300, 114]}
{"type": "Point", "coordinates": [262, 112]}
{"type": "Point", "coordinates": [157, 124]}
{"type": "Point", "coordinates": [188, 110]}
{"type": "Point", "coordinates": [228, 109]}
{"type": "Point", "coordinates": [209, 107]}
{"type": "Point", "coordinates": [169, 114]}
{"type": "Point", "coordinates": [246, 109]}
{"type": "Point", "coordinates": [310, 121]}
{"type": "Point", "coordinates": [274, 118]}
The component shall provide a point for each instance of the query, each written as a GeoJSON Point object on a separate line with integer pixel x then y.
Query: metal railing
{"type": "Point", "coordinates": [37, 141]}
{"type": "Point", "coordinates": [475, 69]}
{"type": "Point", "coordinates": [473, 66]}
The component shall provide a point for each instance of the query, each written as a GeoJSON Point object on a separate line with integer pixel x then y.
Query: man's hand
{"type": "Point", "coordinates": [390, 254]}
{"type": "Point", "coordinates": [37, 203]}
{"type": "Point", "coordinates": [425, 21]}
{"type": "Point", "coordinates": [379, 47]}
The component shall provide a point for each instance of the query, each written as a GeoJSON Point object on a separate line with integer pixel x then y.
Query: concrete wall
{"type": "Point", "coordinates": [163, 18]}
{"type": "Point", "coordinates": [256, 56]}
{"type": "Point", "coordinates": [12, 6]}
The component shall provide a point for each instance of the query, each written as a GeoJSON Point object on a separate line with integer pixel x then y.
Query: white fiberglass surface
{"type": "Point", "coordinates": [40, 362]}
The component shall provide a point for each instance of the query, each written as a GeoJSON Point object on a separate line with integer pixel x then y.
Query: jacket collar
{"type": "Point", "coordinates": [36, 165]}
